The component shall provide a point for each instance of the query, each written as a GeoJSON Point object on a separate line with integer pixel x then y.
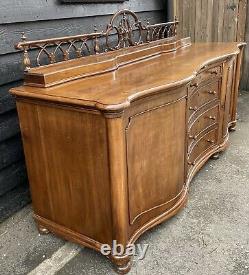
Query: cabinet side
{"type": "Point", "coordinates": [67, 162]}
{"type": "Point", "coordinates": [234, 98]}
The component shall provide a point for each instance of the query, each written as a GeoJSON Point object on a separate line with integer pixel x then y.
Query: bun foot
{"type": "Point", "coordinates": [232, 127]}
{"type": "Point", "coordinates": [123, 269]}
{"type": "Point", "coordinates": [215, 156]}
{"type": "Point", "coordinates": [122, 264]}
{"type": "Point", "coordinates": [43, 230]}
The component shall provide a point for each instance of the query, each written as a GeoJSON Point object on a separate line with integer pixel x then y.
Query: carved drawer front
{"type": "Point", "coordinates": [204, 76]}
{"type": "Point", "coordinates": [202, 122]}
{"type": "Point", "coordinates": [202, 96]}
{"type": "Point", "coordinates": [202, 146]}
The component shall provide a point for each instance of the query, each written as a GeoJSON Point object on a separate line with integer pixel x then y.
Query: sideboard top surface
{"type": "Point", "coordinates": [114, 90]}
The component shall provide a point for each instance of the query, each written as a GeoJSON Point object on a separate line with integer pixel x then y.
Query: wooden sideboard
{"type": "Point", "coordinates": [112, 141]}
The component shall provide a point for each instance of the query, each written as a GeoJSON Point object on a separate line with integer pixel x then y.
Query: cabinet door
{"type": "Point", "coordinates": [155, 156]}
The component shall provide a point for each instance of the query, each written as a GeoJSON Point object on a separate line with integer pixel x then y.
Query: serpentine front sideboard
{"type": "Point", "coordinates": [113, 139]}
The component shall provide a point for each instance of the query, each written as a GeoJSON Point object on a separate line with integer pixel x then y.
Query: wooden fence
{"type": "Point", "coordinates": [215, 20]}
{"type": "Point", "coordinates": [212, 20]}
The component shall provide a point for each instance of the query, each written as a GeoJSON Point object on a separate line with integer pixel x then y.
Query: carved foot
{"type": "Point", "coordinates": [122, 264]}
{"type": "Point", "coordinates": [123, 269]}
{"type": "Point", "coordinates": [232, 127]}
{"type": "Point", "coordinates": [215, 156]}
{"type": "Point", "coordinates": [43, 230]}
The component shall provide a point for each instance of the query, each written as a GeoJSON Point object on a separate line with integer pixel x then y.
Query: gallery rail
{"type": "Point", "coordinates": [124, 30]}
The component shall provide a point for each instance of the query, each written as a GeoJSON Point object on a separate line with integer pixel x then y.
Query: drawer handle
{"type": "Point", "coordinates": [211, 117]}
{"type": "Point", "coordinates": [193, 137]}
{"type": "Point", "coordinates": [191, 163]}
{"type": "Point", "coordinates": [193, 108]}
{"type": "Point", "coordinates": [210, 141]}
{"type": "Point", "coordinates": [214, 72]}
{"type": "Point", "coordinates": [196, 85]}
{"type": "Point", "coordinates": [212, 92]}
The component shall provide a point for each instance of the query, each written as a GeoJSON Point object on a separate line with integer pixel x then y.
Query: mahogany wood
{"type": "Point", "coordinates": [111, 152]}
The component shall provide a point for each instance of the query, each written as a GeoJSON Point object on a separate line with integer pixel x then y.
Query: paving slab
{"type": "Point", "coordinates": [22, 248]}
{"type": "Point", "coordinates": [13, 201]}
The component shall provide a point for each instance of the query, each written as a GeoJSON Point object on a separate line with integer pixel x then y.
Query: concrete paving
{"type": "Point", "coordinates": [210, 236]}
{"type": "Point", "coordinates": [13, 201]}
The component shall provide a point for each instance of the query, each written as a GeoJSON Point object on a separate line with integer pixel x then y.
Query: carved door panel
{"type": "Point", "coordinates": [155, 156]}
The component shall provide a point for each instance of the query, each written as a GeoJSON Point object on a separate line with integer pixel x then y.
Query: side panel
{"type": "Point", "coordinates": [228, 96]}
{"type": "Point", "coordinates": [67, 161]}
{"type": "Point", "coordinates": [234, 98]}
{"type": "Point", "coordinates": [155, 156]}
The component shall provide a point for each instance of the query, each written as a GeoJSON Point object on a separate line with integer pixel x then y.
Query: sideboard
{"type": "Point", "coordinates": [112, 140]}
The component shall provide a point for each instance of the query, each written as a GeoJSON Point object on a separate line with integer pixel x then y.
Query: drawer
{"type": "Point", "coordinates": [202, 146]}
{"type": "Point", "coordinates": [204, 76]}
{"type": "Point", "coordinates": [203, 96]}
{"type": "Point", "coordinates": [203, 121]}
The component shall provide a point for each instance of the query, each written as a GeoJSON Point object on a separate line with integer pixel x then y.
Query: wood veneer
{"type": "Point", "coordinates": [111, 153]}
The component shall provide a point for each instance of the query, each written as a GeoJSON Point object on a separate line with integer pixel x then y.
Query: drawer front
{"type": "Point", "coordinates": [203, 96]}
{"type": "Point", "coordinates": [202, 122]}
{"type": "Point", "coordinates": [204, 76]}
{"type": "Point", "coordinates": [203, 145]}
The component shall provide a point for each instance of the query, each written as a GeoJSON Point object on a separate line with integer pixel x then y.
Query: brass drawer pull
{"type": "Point", "coordinates": [213, 72]}
{"type": "Point", "coordinates": [193, 108]}
{"type": "Point", "coordinates": [212, 92]}
{"type": "Point", "coordinates": [191, 163]}
{"type": "Point", "coordinates": [211, 117]}
{"type": "Point", "coordinates": [193, 137]}
{"type": "Point", "coordinates": [211, 141]}
{"type": "Point", "coordinates": [196, 85]}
